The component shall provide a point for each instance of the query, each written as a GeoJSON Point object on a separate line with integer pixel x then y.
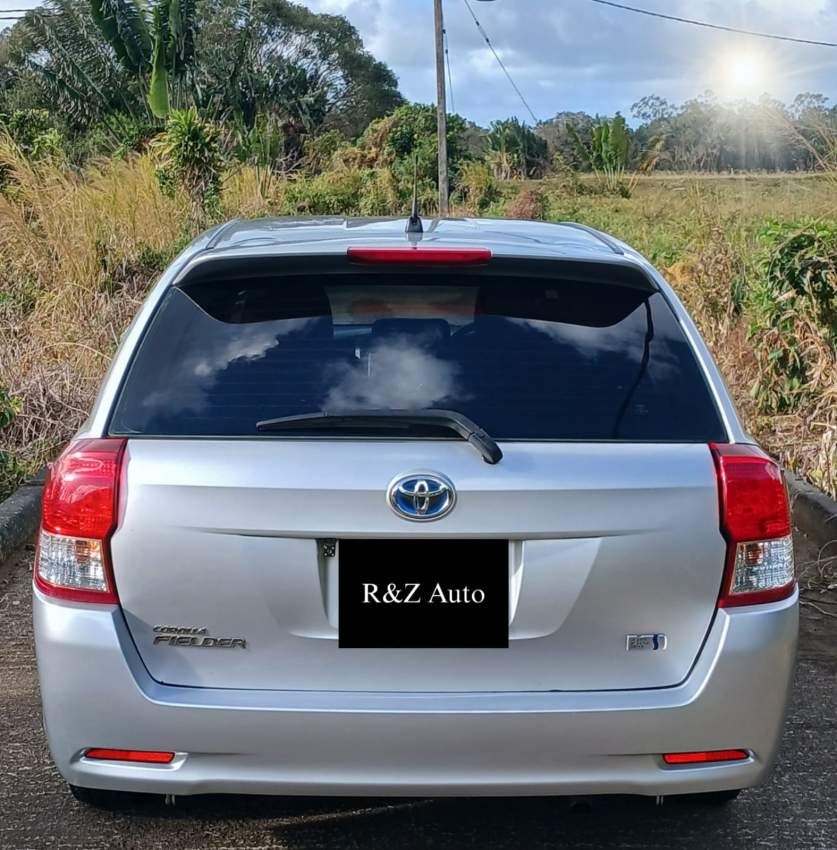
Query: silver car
{"type": "Point", "coordinates": [362, 511]}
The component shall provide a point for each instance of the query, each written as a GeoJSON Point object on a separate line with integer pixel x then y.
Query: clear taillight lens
{"type": "Point", "coordinates": [755, 519]}
{"type": "Point", "coordinates": [762, 566]}
{"type": "Point", "coordinates": [80, 510]}
{"type": "Point", "coordinates": [72, 562]}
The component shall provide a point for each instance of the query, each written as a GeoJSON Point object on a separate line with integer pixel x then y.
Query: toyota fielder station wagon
{"type": "Point", "coordinates": [367, 511]}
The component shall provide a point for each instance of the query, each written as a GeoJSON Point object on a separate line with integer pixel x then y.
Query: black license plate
{"type": "Point", "coordinates": [424, 594]}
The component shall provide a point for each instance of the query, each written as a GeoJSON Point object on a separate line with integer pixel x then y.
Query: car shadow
{"type": "Point", "coordinates": [304, 823]}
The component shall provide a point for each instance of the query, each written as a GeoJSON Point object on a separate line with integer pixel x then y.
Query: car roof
{"type": "Point", "coordinates": [333, 234]}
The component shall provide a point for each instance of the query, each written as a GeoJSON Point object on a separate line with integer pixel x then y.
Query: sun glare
{"type": "Point", "coordinates": [743, 74]}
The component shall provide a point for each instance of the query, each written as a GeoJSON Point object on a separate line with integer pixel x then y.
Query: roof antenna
{"type": "Point", "coordinates": [414, 224]}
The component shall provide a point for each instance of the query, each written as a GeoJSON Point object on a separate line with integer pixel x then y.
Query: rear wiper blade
{"type": "Point", "coordinates": [483, 442]}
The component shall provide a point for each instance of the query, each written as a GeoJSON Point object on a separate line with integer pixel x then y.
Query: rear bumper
{"type": "Point", "coordinates": [97, 693]}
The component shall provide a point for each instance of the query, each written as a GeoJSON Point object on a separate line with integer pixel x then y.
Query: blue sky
{"type": "Point", "coordinates": [577, 55]}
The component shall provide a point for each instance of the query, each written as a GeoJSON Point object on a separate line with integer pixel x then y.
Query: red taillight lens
{"type": "Point", "coordinates": [753, 498]}
{"type": "Point", "coordinates": [130, 755]}
{"type": "Point", "coordinates": [421, 256]}
{"type": "Point", "coordinates": [755, 519]}
{"type": "Point", "coordinates": [705, 757]}
{"type": "Point", "coordinates": [80, 493]}
{"type": "Point", "coordinates": [80, 506]}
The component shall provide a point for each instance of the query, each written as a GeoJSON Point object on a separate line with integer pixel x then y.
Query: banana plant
{"type": "Point", "coordinates": [514, 150]}
{"type": "Point", "coordinates": [155, 42]}
{"type": "Point", "coordinates": [609, 155]}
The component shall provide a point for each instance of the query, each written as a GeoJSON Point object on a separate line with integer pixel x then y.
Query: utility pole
{"type": "Point", "coordinates": [441, 110]}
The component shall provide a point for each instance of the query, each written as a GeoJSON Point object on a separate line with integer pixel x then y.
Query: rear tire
{"type": "Point", "coordinates": [104, 799]}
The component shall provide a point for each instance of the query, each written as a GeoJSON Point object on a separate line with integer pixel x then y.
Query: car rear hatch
{"type": "Point", "coordinates": [604, 506]}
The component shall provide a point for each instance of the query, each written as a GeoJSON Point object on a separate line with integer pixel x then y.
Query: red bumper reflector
{"type": "Point", "coordinates": [130, 755]}
{"type": "Point", "coordinates": [703, 758]}
{"type": "Point", "coordinates": [421, 256]}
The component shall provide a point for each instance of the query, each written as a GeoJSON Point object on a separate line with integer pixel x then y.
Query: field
{"type": "Point", "coordinates": [78, 251]}
{"type": "Point", "coordinates": [713, 237]}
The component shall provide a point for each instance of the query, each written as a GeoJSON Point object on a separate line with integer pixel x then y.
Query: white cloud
{"type": "Point", "coordinates": [397, 375]}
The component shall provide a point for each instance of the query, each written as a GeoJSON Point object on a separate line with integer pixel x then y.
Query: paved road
{"type": "Point", "coordinates": [795, 811]}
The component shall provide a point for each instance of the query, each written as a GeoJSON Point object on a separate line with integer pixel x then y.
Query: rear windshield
{"type": "Point", "coordinates": [526, 359]}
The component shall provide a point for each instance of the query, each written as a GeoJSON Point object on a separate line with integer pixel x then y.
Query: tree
{"type": "Point", "coordinates": [560, 134]}
{"type": "Point", "coordinates": [273, 56]}
{"type": "Point", "coordinates": [410, 139]}
{"type": "Point", "coordinates": [96, 59]}
{"type": "Point", "coordinates": [651, 108]}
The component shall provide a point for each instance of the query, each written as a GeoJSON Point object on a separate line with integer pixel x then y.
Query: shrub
{"type": "Point", "coordinates": [48, 145]}
{"type": "Point", "coordinates": [330, 193]}
{"type": "Point", "coordinates": [9, 408]}
{"type": "Point", "coordinates": [319, 151]}
{"type": "Point", "coordinates": [345, 192]}
{"type": "Point", "coordinates": [262, 146]}
{"type": "Point", "coordinates": [11, 472]}
{"type": "Point", "coordinates": [191, 159]}
{"type": "Point", "coordinates": [380, 194]}
{"type": "Point", "coordinates": [26, 125]}
{"type": "Point", "coordinates": [514, 151]}
{"type": "Point", "coordinates": [477, 189]}
{"type": "Point", "coordinates": [529, 203]}
{"type": "Point", "coordinates": [120, 136]}
{"type": "Point", "coordinates": [794, 314]}
{"type": "Point", "coordinates": [31, 133]}
{"type": "Point", "coordinates": [411, 141]}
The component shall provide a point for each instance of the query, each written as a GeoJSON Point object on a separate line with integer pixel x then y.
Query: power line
{"type": "Point", "coordinates": [707, 25]}
{"type": "Point", "coordinates": [484, 34]}
{"type": "Point", "coordinates": [4, 17]}
{"type": "Point", "coordinates": [450, 76]}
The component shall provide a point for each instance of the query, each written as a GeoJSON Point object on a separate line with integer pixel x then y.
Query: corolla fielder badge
{"type": "Point", "coordinates": [188, 636]}
{"type": "Point", "coordinates": [421, 496]}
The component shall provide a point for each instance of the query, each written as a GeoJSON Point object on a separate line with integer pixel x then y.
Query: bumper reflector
{"type": "Point", "coordinates": [129, 755]}
{"type": "Point", "coordinates": [705, 757]}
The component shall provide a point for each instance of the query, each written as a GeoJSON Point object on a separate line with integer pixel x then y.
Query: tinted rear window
{"type": "Point", "coordinates": [528, 359]}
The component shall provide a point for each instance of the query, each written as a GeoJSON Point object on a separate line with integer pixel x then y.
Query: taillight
{"type": "Point", "coordinates": [143, 756]}
{"type": "Point", "coordinates": [421, 256]}
{"type": "Point", "coordinates": [706, 757]}
{"type": "Point", "coordinates": [80, 512]}
{"type": "Point", "coordinates": [755, 519]}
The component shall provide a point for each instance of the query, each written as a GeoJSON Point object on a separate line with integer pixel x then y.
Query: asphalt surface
{"type": "Point", "coordinates": [796, 809]}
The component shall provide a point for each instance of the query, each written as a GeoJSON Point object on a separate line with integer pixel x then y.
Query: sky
{"type": "Point", "coordinates": [578, 55]}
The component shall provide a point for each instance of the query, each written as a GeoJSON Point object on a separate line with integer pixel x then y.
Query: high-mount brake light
{"type": "Point", "coordinates": [706, 757]}
{"type": "Point", "coordinates": [755, 520]}
{"type": "Point", "coordinates": [421, 256]}
{"type": "Point", "coordinates": [144, 756]}
{"type": "Point", "coordinates": [80, 511]}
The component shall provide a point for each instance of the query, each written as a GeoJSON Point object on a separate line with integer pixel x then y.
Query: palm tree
{"type": "Point", "coordinates": [98, 59]}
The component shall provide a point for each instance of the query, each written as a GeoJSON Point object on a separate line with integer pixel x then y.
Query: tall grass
{"type": "Point", "coordinates": [77, 253]}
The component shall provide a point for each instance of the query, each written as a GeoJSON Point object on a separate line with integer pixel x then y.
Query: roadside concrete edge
{"type": "Point", "coordinates": [814, 514]}
{"type": "Point", "coordinates": [20, 515]}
